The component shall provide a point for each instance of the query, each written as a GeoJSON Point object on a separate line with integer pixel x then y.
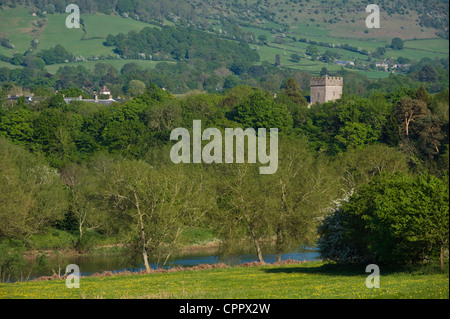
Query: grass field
{"type": "Point", "coordinates": [429, 45]}
{"type": "Point", "coordinates": [97, 28]}
{"type": "Point", "coordinates": [17, 25]}
{"type": "Point", "coordinates": [8, 65]}
{"type": "Point", "coordinates": [309, 280]}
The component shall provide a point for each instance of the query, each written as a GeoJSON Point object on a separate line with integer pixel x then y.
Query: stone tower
{"type": "Point", "coordinates": [325, 88]}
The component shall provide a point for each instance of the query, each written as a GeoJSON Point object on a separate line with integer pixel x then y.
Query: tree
{"type": "Point", "coordinates": [397, 44]}
{"type": "Point", "coordinates": [356, 135]}
{"type": "Point", "coordinates": [57, 101]}
{"type": "Point", "coordinates": [83, 201]}
{"type": "Point", "coordinates": [390, 134]}
{"type": "Point", "coordinates": [295, 57]}
{"type": "Point", "coordinates": [17, 125]}
{"type": "Point", "coordinates": [242, 204]}
{"type": "Point", "coordinates": [298, 195]}
{"type": "Point", "coordinates": [261, 111]}
{"type": "Point", "coordinates": [130, 68]}
{"type": "Point", "coordinates": [358, 166]}
{"type": "Point", "coordinates": [292, 90]}
{"type": "Point", "coordinates": [263, 38]}
{"type": "Point", "coordinates": [394, 219]}
{"type": "Point", "coordinates": [312, 50]}
{"type": "Point", "coordinates": [136, 87]}
{"type": "Point", "coordinates": [17, 59]}
{"type": "Point", "coordinates": [230, 82]}
{"type": "Point", "coordinates": [422, 95]}
{"type": "Point", "coordinates": [32, 194]}
{"type": "Point", "coordinates": [408, 111]}
{"type": "Point", "coordinates": [154, 205]}
{"type": "Point", "coordinates": [324, 71]}
{"type": "Point", "coordinates": [58, 54]}
{"type": "Point", "coordinates": [427, 74]}
{"type": "Point", "coordinates": [379, 52]}
{"type": "Point", "coordinates": [430, 135]}
{"type": "Point", "coordinates": [329, 57]}
{"type": "Point", "coordinates": [277, 60]}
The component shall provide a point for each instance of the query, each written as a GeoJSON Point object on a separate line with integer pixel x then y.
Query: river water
{"type": "Point", "coordinates": [116, 263]}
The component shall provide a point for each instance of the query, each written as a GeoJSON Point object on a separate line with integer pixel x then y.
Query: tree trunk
{"type": "Point", "coordinates": [144, 242]}
{"type": "Point", "coordinates": [259, 252]}
{"type": "Point", "coordinates": [279, 244]}
{"type": "Point", "coordinates": [80, 228]}
{"type": "Point", "coordinates": [257, 246]}
{"type": "Point", "coordinates": [283, 208]}
{"type": "Point", "coordinates": [441, 258]}
{"type": "Point", "coordinates": [145, 257]}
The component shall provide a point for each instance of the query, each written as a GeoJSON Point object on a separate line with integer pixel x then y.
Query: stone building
{"type": "Point", "coordinates": [325, 88]}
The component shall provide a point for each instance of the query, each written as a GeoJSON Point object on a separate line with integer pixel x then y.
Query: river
{"type": "Point", "coordinates": [91, 264]}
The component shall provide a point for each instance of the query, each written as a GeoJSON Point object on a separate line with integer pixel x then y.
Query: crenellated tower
{"type": "Point", "coordinates": [325, 88]}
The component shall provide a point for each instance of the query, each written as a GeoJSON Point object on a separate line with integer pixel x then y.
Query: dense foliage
{"type": "Point", "coordinates": [393, 219]}
{"type": "Point", "coordinates": [84, 168]}
{"type": "Point", "coordinates": [182, 44]}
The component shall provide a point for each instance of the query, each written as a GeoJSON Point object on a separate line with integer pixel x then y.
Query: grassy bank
{"type": "Point", "coordinates": [304, 280]}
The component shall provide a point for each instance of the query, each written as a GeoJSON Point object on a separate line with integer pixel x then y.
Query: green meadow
{"type": "Point", "coordinates": [16, 24]}
{"type": "Point", "coordinates": [98, 26]}
{"type": "Point", "coordinates": [309, 280]}
{"type": "Point", "coordinates": [429, 45]}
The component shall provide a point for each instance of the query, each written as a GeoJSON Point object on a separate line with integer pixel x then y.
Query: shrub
{"type": "Point", "coordinates": [394, 219]}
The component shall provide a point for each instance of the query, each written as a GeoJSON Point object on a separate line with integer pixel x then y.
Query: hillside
{"type": "Point", "coordinates": [270, 28]}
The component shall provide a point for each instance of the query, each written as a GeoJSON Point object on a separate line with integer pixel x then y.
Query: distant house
{"type": "Point", "coordinates": [104, 90]}
{"type": "Point", "coordinates": [383, 65]}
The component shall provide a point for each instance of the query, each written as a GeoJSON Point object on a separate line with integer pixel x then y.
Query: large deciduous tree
{"type": "Point", "coordinates": [32, 195]}
{"type": "Point", "coordinates": [299, 195]}
{"type": "Point", "coordinates": [408, 111]}
{"type": "Point", "coordinates": [154, 205]}
{"type": "Point", "coordinates": [243, 215]}
{"type": "Point", "coordinates": [261, 111]}
{"type": "Point", "coordinates": [393, 219]}
{"type": "Point", "coordinates": [83, 200]}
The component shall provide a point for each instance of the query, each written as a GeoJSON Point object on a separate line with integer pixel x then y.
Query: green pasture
{"type": "Point", "coordinates": [97, 28]}
{"type": "Point", "coordinates": [309, 280]}
{"type": "Point", "coordinates": [16, 24]}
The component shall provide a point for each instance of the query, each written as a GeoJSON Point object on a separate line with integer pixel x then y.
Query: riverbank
{"type": "Point", "coordinates": [310, 280]}
{"type": "Point", "coordinates": [112, 249]}
{"type": "Point", "coordinates": [191, 257]}
{"type": "Point", "coordinates": [54, 242]}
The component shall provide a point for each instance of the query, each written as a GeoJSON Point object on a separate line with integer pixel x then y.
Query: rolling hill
{"type": "Point", "coordinates": [272, 28]}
